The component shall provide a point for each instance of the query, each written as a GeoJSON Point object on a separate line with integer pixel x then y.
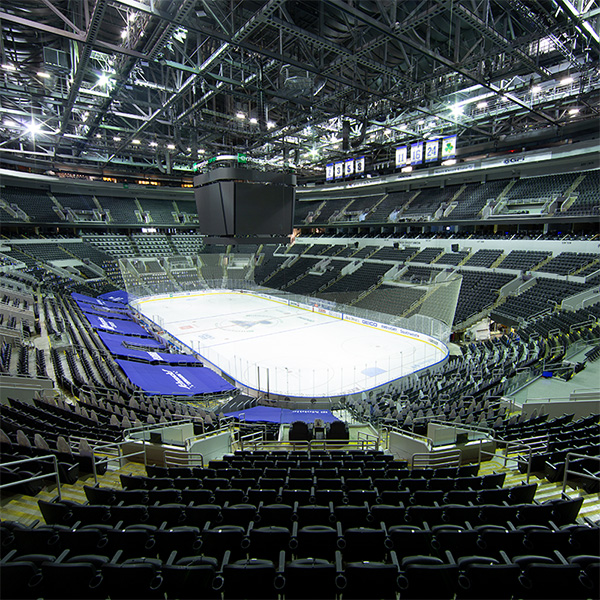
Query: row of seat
{"type": "Point", "coordinates": [98, 576]}
{"type": "Point", "coordinates": [330, 490]}
{"type": "Point", "coordinates": [559, 512]}
{"type": "Point", "coordinates": [322, 541]}
{"type": "Point", "coordinates": [351, 479]}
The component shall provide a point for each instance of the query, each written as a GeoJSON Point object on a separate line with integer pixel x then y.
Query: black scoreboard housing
{"type": "Point", "coordinates": [237, 202]}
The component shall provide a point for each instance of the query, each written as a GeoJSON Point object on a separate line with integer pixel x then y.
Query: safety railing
{"type": "Point", "coordinates": [568, 471]}
{"type": "Point", "coordinates": [179, 459]}
{"type": "Point", "coordinates": [55, 474]}
{"type": "Point", "coordinates": [387, 429]}
{"type": "Point", "coordinates": [508, 445]}
{"type": "Point", "coordinates": [435, 459]}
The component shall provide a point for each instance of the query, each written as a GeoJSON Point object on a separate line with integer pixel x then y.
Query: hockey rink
{"type": "Point", "coordinates": [265, 343]}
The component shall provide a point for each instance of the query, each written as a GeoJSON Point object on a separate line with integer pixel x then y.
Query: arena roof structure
{"type": "Point", "coordinates": [154, 86]}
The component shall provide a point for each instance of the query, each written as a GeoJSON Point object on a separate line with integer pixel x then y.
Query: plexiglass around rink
{"type": "Point", "coordinates": [295, 346]}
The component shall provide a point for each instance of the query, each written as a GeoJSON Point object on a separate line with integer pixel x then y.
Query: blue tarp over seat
{"type": "Point", "coordinates": [180, 381]}
{"type": "Point", "coordinates": [116, 296]}
{"type": "Point", "coordinates": [125, 326]}
{"type": "Point", "coordinates": [91, 300]}
{"type": "Point", "coordinates": [269, 414]}
{"type": "Point", "coordinates": [123, 312]}
{"type": "Point", "coordinates": [145, 349]}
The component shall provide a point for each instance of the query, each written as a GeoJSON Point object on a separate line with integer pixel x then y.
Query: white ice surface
{"type": "Point", "coordinates": [271, 346]}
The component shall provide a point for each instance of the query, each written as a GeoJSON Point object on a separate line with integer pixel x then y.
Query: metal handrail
{"type": "Point", "coordinates": [35, 477]}
{"type": "Point", "coordinates": [585, 475]}
{"type": "Point", "coordinates": [392, 428]}
{"type": "Point", "coordinates": [444, 456]}
{"type": "Point", "coordinates": [188, 458]}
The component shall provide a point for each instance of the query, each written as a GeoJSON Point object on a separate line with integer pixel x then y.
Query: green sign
{"type": "Point", "coordinates": [242, 158]}
{"type": "Point", "coordinates": [212, 160]}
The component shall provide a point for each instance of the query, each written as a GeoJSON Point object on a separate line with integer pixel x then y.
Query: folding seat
{"type": "Point", "coordinates": [133, 482]}
{"type": "Point", "coordinates": [461, 497]}
{"type": "Point", "coordinates": [187, 483]}
{"type": "Point", "coordinates": [439, 483]}
{"type": "Point", "coordinates": [455, 538]}
{"type": "Point", "coordinates": [422, 473]}
{"type": "Point", "coordinates": [176, 472]}
{"type": "Point", "coordinates": [395, 497]}
{"type": "Point", "coordinates": [427, 497]}
{"type": "Point", "coordinates": [160, 483]}
{"type": "Point", "coordinates": [353, 515]}
{"type": "Point", "coordinates": [543, 578]}
{"type": "Point", "coordinates": [446, 472]}
{"type": "Point", "coordinates": [384, 484]}
{"type": "Point", "coordinates": [427, 577]}
{"type": "Point", "coordinates": [252, 578]}
{"type": "Point", "coordinates": [413, 484]}
{"type": "Point", "coordinates": [485, 577]}
{"type": "Point", "coordinates": [494, 480]}
{"type": "Point", "coordinates": [132, 541]}
{"type": "Point", "coordinates": [212, 483]}
{"type": "Point", "coordinates": [217, 540]}
{"type": "Point", "coordinates": [534, 514]}
{"type": "Point", "coordinates": [136, 578]}
{"type": "Point", "coordinates": [56, 512]}
{"type": "Point", "coordinates": [388, 514]}
{"type": "Point", "coordinates": [275, 472]}
{"type": "Point", "coordinates": [361, 496]}
{"type": "Point", "coordinates": [21, 578]}
{"type": "Point", "coordinates": [363, 577]}
{"type": "Point", "coordinates": [173, 514]}
{"type": "Point", "coordinates": [129, 497]}
{"type": "Point", "coordinates": [565, 510]}
{"type": "Point", "coordinates": [522, 494]}
{"type": "Point", "coordinates": [43, 539]}
{"type": "Point", "coordinates": [365, 544]}
{"type": "Point", "coordinates": [200, 496]}
{"type": "Point", "coordinates": [232, 496]}
{"type": "Point", "coordinates": [357, 483]}
{"type": "Point", "coordinates": [268, 496]}
{"type": "Point", "coordinates": [583, 539]}
{"type": "Point", "coordinates": [544, 540]}
{"type": "Point", "coordinates": [303, 472]}
{"type": "Point", "coordinates": [198, 515]}
{"type": "Point", "coordinates": [276, 515]}
{"type": "Point", "coordinates": [590, 573]}
{"type": "Point", "coordinates": [239, 514]}
{"type": "Point", "coordinates": [252, 472]}
{"type": "Point", "coordinates": [408, 540]}
{"type": "Point", "coordinates": [494, 496]}
{"type": "Point", "coordinates": [495, 538]}
{"type": "Point", "coordinates": [183, 539]}
{"type": "Point", "coordinates": [495, 514]}
{"type": "Point", "coordinates": [268, 541]}
{"type": "Point", "coordinates": [314, 514]}
{"type": "Point", "coordinates": [329, 483]}
{"type": "Point", "coordinates": [374, 472]}
{"type": "Point", "coordinates": [291, 496]}
{"type": "Point", "coordinates": [315, 541]}
{"type": "Point", "coordinates": [349, 472]}
{"type": "Point", "coordinates": [398, 472]}
{"type": "Point", "coordinates": [432, 515]}
{"type": "Point", "coordinates": [300, 483]}
{"type": "Point", "coordinates": [74, 577]}
{"type": "Point", "coordinates": [306, 577]}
